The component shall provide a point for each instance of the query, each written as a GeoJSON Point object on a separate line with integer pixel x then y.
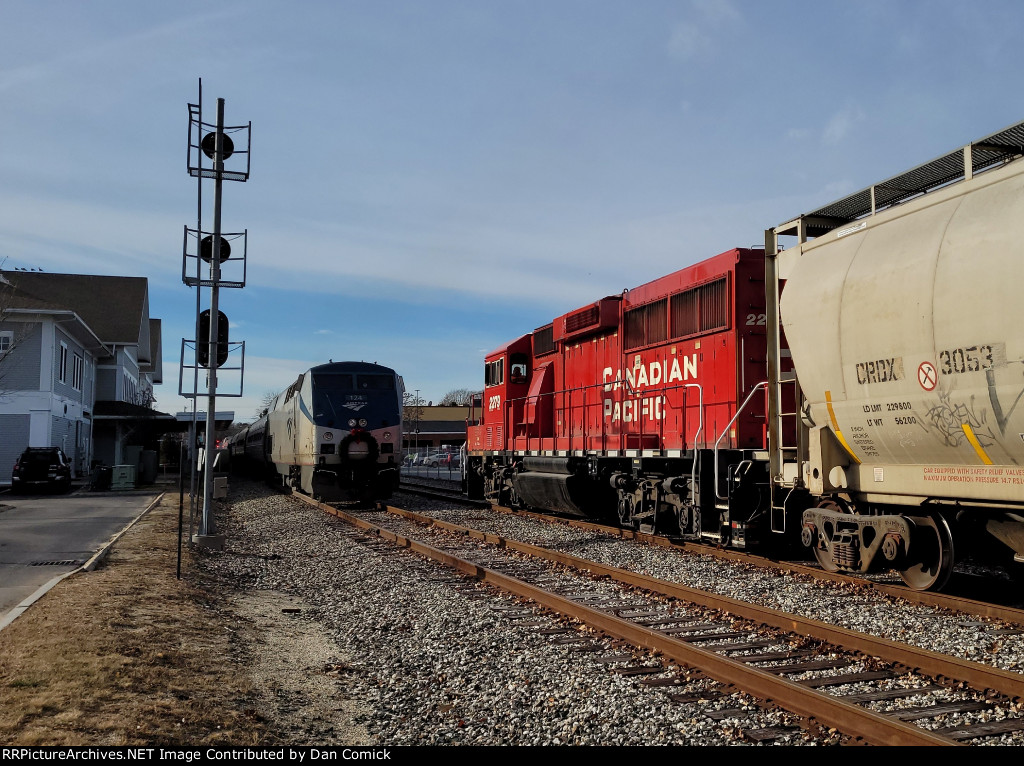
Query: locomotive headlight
{"type": "Point", "coordinates": [351, 422]}
{"type": "Point", "coordinates": [362, 422]}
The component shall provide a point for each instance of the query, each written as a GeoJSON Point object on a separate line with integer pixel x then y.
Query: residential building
{"type": "Point", "coordinates": [79, 355]}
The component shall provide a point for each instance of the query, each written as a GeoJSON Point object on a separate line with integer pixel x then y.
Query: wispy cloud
{"type": "Point", "coordinates": [80, 236]}
{"type": "Point", "coordinates": [109, 52]}
{"type": "Point", "coordinates": [842, 123]}
{"type": "Point", "coordinates": [697, 35]}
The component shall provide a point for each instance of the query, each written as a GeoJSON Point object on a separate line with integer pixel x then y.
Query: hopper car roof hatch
{"type": "Point", "coordinates": [986, 153]}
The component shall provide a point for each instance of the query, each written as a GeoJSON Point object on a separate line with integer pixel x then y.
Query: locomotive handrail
{"type": "Point", "coordinates": [700, 429]}
{"type": "Point", "coordinates": [762, 384]}
{"type": "Point", "coordinates": [509, 413]}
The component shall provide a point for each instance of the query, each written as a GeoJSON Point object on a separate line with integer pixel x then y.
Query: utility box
{"type": "Point", "coordinates": [123, 477]}
{"type": "Point", "coordinates": [220, 487]}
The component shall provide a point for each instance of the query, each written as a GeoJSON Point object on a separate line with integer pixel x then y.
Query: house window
{"type": "Point", "coordinates": [63, 362]}
{"type": "Point", "coordinates": [6, 341]}
{"type": "Point", "coordinates": [76, 372]}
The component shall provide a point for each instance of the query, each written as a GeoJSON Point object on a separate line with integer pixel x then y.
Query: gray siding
{"type": "Point", "coordinates": [19, 369]}
{"type": "Point", "coordinates": [66, 389]}
{"type": "Point", "coordinates": [14, 430]}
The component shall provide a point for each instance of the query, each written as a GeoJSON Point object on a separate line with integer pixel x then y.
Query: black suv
{"type": "Point", "coordinates": [42, 467]}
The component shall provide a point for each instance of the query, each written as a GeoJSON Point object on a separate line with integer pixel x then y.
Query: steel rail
{"type": "Point", "coordinates": [924, 598]}
{"type": "Point", "coordinates": [439, 493]}
{"type": "Point", "coordinates": [832, 712]}
{"type": "Point", "coordinates": [942, 666]}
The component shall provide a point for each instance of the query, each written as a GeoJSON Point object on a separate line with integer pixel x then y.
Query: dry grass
{"type": "Point", "coordinates": [129, 655]}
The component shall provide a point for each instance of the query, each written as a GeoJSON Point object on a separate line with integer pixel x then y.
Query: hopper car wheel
{"type": "Point", "coordinates": [825, 559]}
{"type": "Point", "coordinates": [823, 556]}
{"type": "Point", "coordinates": [931, 554]}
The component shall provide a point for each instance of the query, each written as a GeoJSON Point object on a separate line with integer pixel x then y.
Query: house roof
{"type": "Point", "coordinates": [113, 307]}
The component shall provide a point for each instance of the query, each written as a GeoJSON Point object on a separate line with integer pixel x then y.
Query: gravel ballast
{"type": "Point", "coordinates": [430, 658]}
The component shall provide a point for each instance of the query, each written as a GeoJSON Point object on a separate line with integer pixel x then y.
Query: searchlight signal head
{"type": "Point", "coordinates": [206, 248]}
{"type": "Point", "coordinates": [209, 145]}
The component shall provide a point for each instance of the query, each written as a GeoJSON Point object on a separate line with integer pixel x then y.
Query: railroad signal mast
{"type": "Point", "coordinates": [208, 262]}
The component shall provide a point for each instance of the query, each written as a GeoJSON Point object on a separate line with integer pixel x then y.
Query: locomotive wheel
{"type": "Point", "coordinates": [931, 554]}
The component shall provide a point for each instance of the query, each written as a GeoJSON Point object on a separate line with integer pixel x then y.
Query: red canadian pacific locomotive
{"type": "Point", "coordinates": [646, 407]}
{"type": "Point", "coordinates": [861, 389]}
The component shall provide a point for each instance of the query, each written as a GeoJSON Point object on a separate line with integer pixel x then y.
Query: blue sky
{"type": "Point", "coordinates": [431, 179]}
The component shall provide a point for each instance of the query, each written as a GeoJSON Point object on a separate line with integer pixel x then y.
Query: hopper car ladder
{"type": "Point", "coordinates": [785, 460]}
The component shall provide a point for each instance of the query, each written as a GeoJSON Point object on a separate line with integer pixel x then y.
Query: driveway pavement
{"type": "Point", "coordinates": [45, 536]}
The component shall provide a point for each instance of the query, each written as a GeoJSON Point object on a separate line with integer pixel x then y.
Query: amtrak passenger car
{"type": "Point", "coordinates": [335, 433]}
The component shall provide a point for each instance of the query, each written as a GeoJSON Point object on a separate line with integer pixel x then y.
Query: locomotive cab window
{"type": "Point", "coordinates": [375, 382]}
{"type": "Point", "coordinates": [338, 397]}
{"type": "Point", "coordinates": [494, 373]}
{"type": "Point", "coordinates": [517, 368]}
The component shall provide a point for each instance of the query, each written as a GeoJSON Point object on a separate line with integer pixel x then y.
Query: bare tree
{"type": "Point", "coordinates": [264, 406]}
{"type": "Point", "coordinates": [457, 397]}
{"type": "Point", "coordinates": [412, 414]}
{"type": "Point", "coordinates": [12, 334]}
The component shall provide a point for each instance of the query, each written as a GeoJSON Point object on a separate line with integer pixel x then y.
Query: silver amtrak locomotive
{"type": "Point", "coordinates": [335, 433]}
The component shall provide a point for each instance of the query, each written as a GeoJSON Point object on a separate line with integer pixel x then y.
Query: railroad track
{"type": "Point", "coordinates": [1000, 602]}
{"type": "Point", "coordinates": [799, 664]}
{"type": "Point", "coordinates": [451, 492]}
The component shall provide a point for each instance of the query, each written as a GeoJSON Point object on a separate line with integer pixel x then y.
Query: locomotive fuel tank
{"type": "Point", "coordinates": [907, 334]}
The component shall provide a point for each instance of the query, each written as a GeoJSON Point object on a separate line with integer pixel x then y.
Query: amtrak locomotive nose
{"type": "Point", "coordinates": [335, 433]}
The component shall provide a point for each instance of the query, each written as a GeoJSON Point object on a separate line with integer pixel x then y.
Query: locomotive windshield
{"type": "Point", "coordinates": [339, 397]}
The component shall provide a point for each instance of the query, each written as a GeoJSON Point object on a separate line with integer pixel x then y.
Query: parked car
{"type": "Point", "coordinates": [45, 467]}
{"type": "Point", "coordinates": [446, 460]}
